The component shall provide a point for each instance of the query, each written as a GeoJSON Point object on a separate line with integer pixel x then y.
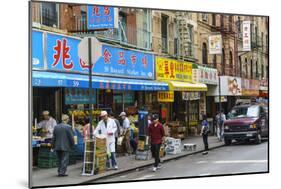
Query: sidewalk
{"type": "Point", "coordinates": [48, 177]}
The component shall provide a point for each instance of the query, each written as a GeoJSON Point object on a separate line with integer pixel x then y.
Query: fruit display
{"type": "Point", "coordinates": [83, 113]}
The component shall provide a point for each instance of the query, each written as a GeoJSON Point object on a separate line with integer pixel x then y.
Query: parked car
{"type": "Point", "coordinates": [246, 123]}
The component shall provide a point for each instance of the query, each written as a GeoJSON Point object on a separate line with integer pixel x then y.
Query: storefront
{"type": "Point", "coordinates": [207, 104]}
{"type": "Point", "coordinates": [183, 111]}
{"type": "Point", "coordinates": [231, 90]}
{"type": "Point", "coordinates": [121, 81]}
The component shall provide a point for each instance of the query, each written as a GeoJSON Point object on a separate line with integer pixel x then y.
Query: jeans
{"type": "Point", "coordinates": [205, 140]}
{"type": "Point", "coordinates": [63, 160]}
{"type": "Point", "coordinates": [155, 149]}
{"type": "Point", "coordinates": [113, 160]}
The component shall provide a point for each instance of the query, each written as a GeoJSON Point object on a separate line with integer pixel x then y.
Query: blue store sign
{"type": "Point", "coordinates": [101, 17]}
{"type": "Point", "coordinates": [78, 96]}
{"type": "Point", "coordinates": [37, 49]}
{"type": "Point", "coordinates": [62, 55]}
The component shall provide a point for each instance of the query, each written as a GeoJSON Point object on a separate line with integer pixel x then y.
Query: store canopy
{"type": "Point", "coordinates": [185, 86]}
{"type": "Point", "coordinates": [51, 79]}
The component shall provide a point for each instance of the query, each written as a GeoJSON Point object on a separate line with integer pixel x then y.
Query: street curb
{"type": "Point", "coordinates": [149, 164]}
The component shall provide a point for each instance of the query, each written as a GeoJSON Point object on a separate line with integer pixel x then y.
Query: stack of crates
{"type": "Point", "coordinates": [100, 156]}
{"type": "Point", "coordinates": [47, 158]}
{"type": "Point", "coordinates": [143, 152]}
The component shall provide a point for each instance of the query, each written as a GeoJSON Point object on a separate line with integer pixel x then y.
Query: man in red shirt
{"type": "Point", "coordinates": [156, 134]}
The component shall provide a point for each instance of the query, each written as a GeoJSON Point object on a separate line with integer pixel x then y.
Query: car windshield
{"type": "Point", "coordinates": [240, 112]}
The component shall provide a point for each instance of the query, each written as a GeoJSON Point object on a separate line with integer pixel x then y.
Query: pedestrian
{"type": "Point", "coordinates": [149, 119]}
{"type": "Point", "coordinates": [63, 144]}
{"type": "Point", "coordinates": [220, 119]}
{"type": "Point", "coordinates": [118, 132]}
{"type": "Point", "coordinates": [126, 131]}
{"type": "Point", "coordinates": [86, 129]}
{"type": "Point", "coordinates": [107, 127]}
{"type": "Point", "coordinates": [156, 134]}
{"type": "Point", "coordinates": [47, 125]}
{"type": "Point", "coordinates": [204, 133]}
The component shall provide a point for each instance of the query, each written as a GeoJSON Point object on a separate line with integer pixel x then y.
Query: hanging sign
{"type": "Point", "coordinates": [215, 44]}
{"type": "Point", "coordinates": [246, 36]}
{"type": "Point", "coordinates": [165, 96]}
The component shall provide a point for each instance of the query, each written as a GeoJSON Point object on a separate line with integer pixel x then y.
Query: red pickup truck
{"type": "Point", "coordinates": [246, 123]}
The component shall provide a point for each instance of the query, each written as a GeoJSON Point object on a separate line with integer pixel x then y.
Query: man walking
{"type": "Point", "coordinates": [220, 118]}
{"type": "Point", "coordinates": [63, 143]}
{"type": "Point", "coordinates": [126, 131]}
{"type": "Point", "coordinates": [156, 134]}
{"type": "Point", "coordinates": [204, 133]}
{"type": "Point", "coordinates": [107, 127]}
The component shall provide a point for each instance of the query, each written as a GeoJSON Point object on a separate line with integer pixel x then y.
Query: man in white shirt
{"type": "Point", "coordinates": [107, 127]}
{"type": "Point", "coordinates": [47, 125]}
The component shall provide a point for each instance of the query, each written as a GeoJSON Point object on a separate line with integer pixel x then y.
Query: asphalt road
{"type": "Point", "coordinates": [239, 158]}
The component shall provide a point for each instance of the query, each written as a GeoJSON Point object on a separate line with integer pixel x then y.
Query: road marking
{"type": "Point", "coordinates": [241, 161]}
{"type": "Point", "coordinates": [204, 174]}
{"type": "Point", "coordinates": [200, 162]}
{"type": "Point", "coordinates": [145, 177]}
{"type": "Point", "coordinates": [123, 176]}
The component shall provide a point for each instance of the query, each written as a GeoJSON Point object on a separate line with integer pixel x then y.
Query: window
{"type": "Point", "coordinates": [230, 18]}
{"type": "Point", "coordinates": [262, 71]}
{"type": "Point", "coordinates": [230, 61]}
{"type": "Point", "coordinates": [257, 70]}
{"type": "Point", "coordinates": [239, 24]}
{"type": "Point", "coordinates": [240, 66]}
{"type": "Point", "coordinates": [49, 14]}
{"type": "Point", "coordinates": [223, 62]}
{"type": "Point", "coordinates": [262, 40]}
{"type": "Point", "coordinates": [190, 40]}
{"type": "Point", "coordinates": [204, 54]}
{"type": "Point", "coordinates": [214, 19]}
{"type": "Point", "coordinates": [215, 61]}
{"type": "Point", "coordinates": [222, 23]}
{"type": "Point", "coordinates": [252, 70]}
{"type": "Point", "coordinates": [204, 17]}
{"type": "Point", "coordinates": [164, 33]}
{"type": "Point", "coordinates": [246, 65]}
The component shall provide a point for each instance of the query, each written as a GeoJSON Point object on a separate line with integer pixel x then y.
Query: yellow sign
{"type": "Point", "coordinates": [169, 69]}
{"type": "Point", "coordinates": [165, 96]}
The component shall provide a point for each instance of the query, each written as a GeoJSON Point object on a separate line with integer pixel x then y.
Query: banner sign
{"type": "Point", "coordinates": [205, 75]}
{"type": "Point", "coordinates": [223, 99]}
{"type": "Point", "coordinates": [246, 36]}
{"type": "Point", "coordinates": [250, 87]}
{"type": "Point", "coordinates": [165, 96]}
{"type": "Point", "coordinates": [169, 69]}
{"type": "Point", "coordinates": [78, 96]}
{"type": "Point", "coordinates": [190, 95]}
{"type": "Point", "coordinates": [37, 49]}
{"type": "Point", "coordinates": [264, 85]}
{"type": "Point", "coordinates": [102, 17]}
{"type": "Point", "coordinates": [62, 55]}
{"type": "Point", "coordinates": [215, 44]}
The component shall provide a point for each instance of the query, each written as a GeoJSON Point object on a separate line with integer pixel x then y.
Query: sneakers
{"type": "Point", "coordinates": [159, 166]}
{"type": "Point", "coordinates": [205, 153]}
{"type": "Point", "coordinates": [115, 167]}
{"type": "Point", "coordinates": [154, 169]}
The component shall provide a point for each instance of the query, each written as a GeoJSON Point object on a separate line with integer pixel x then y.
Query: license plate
{"type": "Point", "coordinates": [249, 134]}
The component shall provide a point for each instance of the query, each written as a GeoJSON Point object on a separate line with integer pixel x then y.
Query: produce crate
{"type": "Point", "coordinates": [47, 163]}
{"type": "Point", "coordinates": [143, 155]}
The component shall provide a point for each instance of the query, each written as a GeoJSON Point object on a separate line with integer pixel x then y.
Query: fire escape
{"type": "Point", "coordinates": [228, 31]}
{"type": "Point", "coordinates": [185, 41]}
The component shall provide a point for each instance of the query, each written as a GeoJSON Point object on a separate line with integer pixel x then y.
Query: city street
{"type": "Point", "coordinates": [239, 158]}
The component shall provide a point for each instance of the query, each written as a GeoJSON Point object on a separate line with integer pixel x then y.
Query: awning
{"type": "Point", "coordinates": [51, 79]}
{"type": "Point", "coordinates": [185, 86]}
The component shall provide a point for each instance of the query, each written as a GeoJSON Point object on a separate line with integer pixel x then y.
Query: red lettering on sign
{"type": "Point", "coordinates": [121, 60]}
{"type": "Point", "coordinates": [106, 56]}
{"type": "Point", "coordinates": [172, 70]}
{"type": "Point", "coordinates": [166, 68]}
{"type": "Point", "coordinates": [144, 61]}
{"type": "Point", "coordinates": [62, 52]}
{"type": "Point", "coordinates": [96, 11]}
{"type": "Point", "coordinates": [134, 59]}
{"type": "Point", "coordinates": [106, 11]}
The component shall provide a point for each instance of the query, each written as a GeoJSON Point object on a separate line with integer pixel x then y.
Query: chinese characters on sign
{"type": "Point", "coordinates": [78, 96]}
{"type": "Point", "coordinates": [62, 55]}
{"type": "Point", "coordinates": [190, 95]}
{"type": "Point", "coordinates": [101, 17]}
{"type": "Point", "coordinates": [169, 69]}
{"type": "Point", "coordinates": [246, 36]}
{"type": "Point", "coordinates": [205, 75]}
{"type": "Point", "coordinates": [215, 44]}
{"type": "Point", "coordinates": [250, 87]}
{"type": "Point", "coordinates": [167, 96]}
